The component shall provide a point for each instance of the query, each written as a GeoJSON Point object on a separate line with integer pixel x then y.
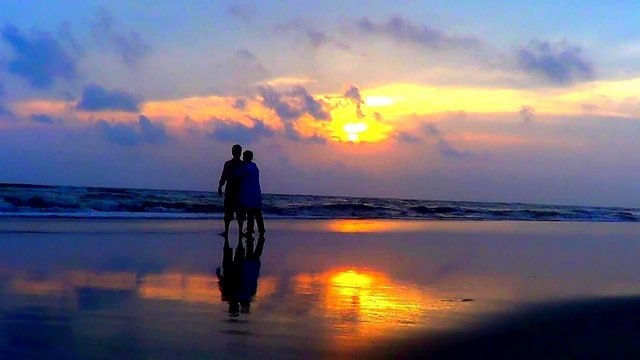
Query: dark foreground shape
{"type": "Point", "coordinates": [605, 328]}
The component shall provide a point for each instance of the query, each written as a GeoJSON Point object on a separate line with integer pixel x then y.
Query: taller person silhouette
{"type": "Point", "coordinates": [231, 183]}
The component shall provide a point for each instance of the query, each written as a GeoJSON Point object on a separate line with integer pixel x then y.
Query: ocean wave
{"type": "Point", "coordinates": [26, 201]}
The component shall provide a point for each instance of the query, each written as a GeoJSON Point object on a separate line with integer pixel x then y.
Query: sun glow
{"type": "Point", "coordinates": [356, 124]}
{"type": "Point", "coordinates": [374, 101]}
{"type": "Point", "coordinates": [354, 130]}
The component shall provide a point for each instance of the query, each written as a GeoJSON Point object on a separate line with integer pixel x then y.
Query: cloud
{"type": "Point", "coordinates": [243, 11]}
{"type": "Point", "coordinates": [144, 131]}
{"type": "Point", "coordinates": [308, 104]}
{"type": "Point", "coordinates": [66, 35]}
{"type": "Point", "coordinates": [232, 131]}
{"type": "Point", "coordinates": [310, 35]}
{"type": "Point", "coordinates": [247, 63]}
{"type": "Point", "coordinates": [559, 62]}
{"type": "Point", "coordinates": [45, 119]}
{"type": "Point", "coordinates": [403, 31]}
{"type": "Point", "coordinates": [444, 147]}
{"type": "Point", "coordinates": [353, 94]}
{"type": "Point", "coordinates": [407, 137]}
{"type": "Point", "coordinates": [96, 98]}
{"type": "Point", "coordinates": [527, 113]}
{"type": "Point", "coordinates": [291, 104]}
{"type": "Point", "coordinates": [5, 113]}
{"type": "Point", "coordinates": [129, 45]}
{"type": "Point", "coordinates": [153, 133]}
{"type": "Point", "coordinates": [239, 103]}
{"type": "Point", "coordinates": [39, 58]}
{"type": "Point", "coordinates": [240, 72]}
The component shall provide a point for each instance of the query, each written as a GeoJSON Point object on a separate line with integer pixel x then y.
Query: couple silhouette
{"type": "Point", "coordinates": [242, 195]}
{"type": "Point", "coordinates": [238, 275]}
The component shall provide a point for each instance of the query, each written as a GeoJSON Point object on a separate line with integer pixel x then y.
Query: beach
{"type": "Point", "coordinates": [142, 289]}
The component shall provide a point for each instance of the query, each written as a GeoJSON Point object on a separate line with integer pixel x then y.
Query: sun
{"type": "Point", "coordinates": [354, 130]}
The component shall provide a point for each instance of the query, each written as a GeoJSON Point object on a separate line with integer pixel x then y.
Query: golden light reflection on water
{"type": "Point", "coordinates": [361, 305]}
{"type": "Point", "coordinates": [177, 286]}
{"type": "Point", "coordinates": [351, 306]}
{"type": "Point", "coordinates": [389, 226]}
{"type": "Point", "coordinates": [370, 226]}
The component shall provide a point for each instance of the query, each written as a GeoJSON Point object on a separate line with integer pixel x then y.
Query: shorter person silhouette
{"type": "Point", "coordinates": [250, 195]}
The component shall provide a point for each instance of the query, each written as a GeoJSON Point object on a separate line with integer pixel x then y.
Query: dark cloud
{"type": "Point", "coordinates": [407, 137]}
{"type": "Point", "coordinates": [527, 113]}
{"type": "Point", "coordinates": [232, 131]}
{"type": "Point", "coordinates": [353, 94]}
{"type": "Point", "coordinates": [308, 104]}
{"type": "Point", "coordinates": [241, 72]}
{"type": "Point", "coordinates": [66, 35]}
{"type": "Point", "coordinates": [128, 44]}
{"type": "Point", "coordinates": [272, 99]}
{"type": "Point", "coordinates": [153, 133]}
{"type": "Point", "coordinates": [96, 98]}
{"type": "Point", "coordinates": [305, 32]}
{"type": "Point", "coordinates": [243, 11]}
{"type": "Point", "coordinates": [559, 62]}
{"type": "Point", "coordinates": [403, 31]}
{"type": "Point", "coordinates": [290, 105]}
{"type": "Point", "coordinates": [245, 55]}
{"type": "Point", "coordinates": [144, 131]}
{"type": "Point", "coordinates": [38, 58]}
{"type": "Point", "coordinates": [45, 119]}
{"type": "Point", "coordinates": [5, 113]}
{"type": "Point", "coordinates": [239, 103]}
{"type": "Point", "coordinates": [444, 147]}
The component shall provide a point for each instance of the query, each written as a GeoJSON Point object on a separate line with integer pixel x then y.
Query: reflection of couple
{"type": "Point", "coordinates": [242, 196]}
{"type": "Point", "coordinates": [238, 278]}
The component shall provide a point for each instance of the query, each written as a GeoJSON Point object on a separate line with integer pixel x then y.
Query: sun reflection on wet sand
{"type": "Point", "coordinates": [358, 306]}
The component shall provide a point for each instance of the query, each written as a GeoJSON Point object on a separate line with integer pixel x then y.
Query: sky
{"type": "Point", "coordinates": [505, 101]}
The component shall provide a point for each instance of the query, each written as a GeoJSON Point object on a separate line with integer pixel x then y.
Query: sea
{"type": "Point", "coordinates": [79, 202]}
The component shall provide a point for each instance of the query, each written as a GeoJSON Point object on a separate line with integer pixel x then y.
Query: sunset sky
{"type": "Point", "coordinates": [452, 100]}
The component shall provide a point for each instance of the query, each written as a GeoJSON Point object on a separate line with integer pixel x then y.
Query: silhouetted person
{"type": "Point", "coordinates": [231, 182]}
{"type": "Point", "coordinates": [238, 278]}
{"type": "Point", "coordinates": [229, 276]}
{"type": "Point", "coordinates": [249, 273]}
{"type": "Point", "coordinates": [250, 197]}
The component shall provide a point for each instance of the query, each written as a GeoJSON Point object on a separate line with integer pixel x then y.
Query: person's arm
{"type": "Point", "coordinates": [223, 178]}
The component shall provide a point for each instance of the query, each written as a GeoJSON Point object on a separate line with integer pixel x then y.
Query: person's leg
{"type": "Point", "coordinates": [260, 220]}
{"type": "Point", "coordinates": [228, 218]}
{"type": "Point", "coordinates": [227, 254]}
{"type": "Point", "coordinates": [258, 251]}
{"type": "Point", "coordinates": [240, 215]}
{"type": "Point", "coordinates": [250, 222]}
{"type": "Point", "coordinates": [249, 251]}
{"type": "Point", "coordinates": [239, 256]}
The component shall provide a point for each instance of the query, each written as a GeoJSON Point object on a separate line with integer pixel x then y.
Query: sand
{"type": "Point", "coordinates": [326, 288]}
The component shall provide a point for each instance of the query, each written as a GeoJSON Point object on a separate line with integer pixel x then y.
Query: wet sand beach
{"type": "Point", "coordinates": [144, 289]}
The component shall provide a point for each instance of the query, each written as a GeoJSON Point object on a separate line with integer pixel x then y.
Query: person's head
{"type": "Point", "coordinates": [247, 156]}
{"type": "Point", "coordinates": [236, 151]}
